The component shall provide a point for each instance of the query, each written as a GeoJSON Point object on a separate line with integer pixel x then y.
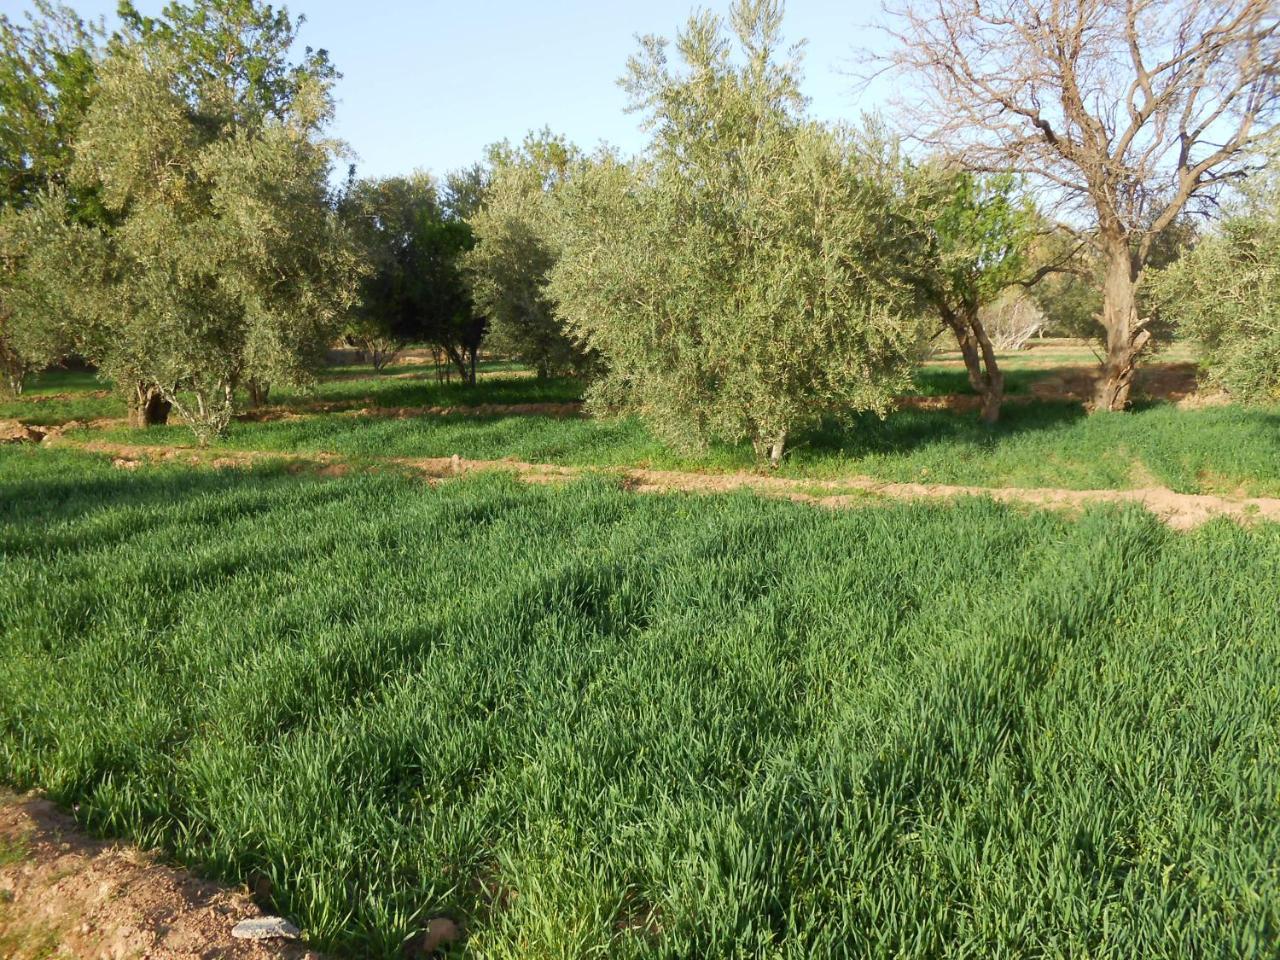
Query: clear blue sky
{"type": "Point", "coordinates": [428, 84]}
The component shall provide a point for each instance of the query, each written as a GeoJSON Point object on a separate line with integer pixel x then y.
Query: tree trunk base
{"type": "Point", "coordinates": [1118, 373]}
{"type": "Point", "coordinates": [149, 408]}
{"type": "Point", "coordinates": [992, 401]}
{"type": "Point", "coordinates": [980, 362]}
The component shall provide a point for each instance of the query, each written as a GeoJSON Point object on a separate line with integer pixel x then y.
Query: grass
{"type": "Point", "coordinates": [1229, 450]}
{"type": "Point", "coordinates": [13, 850]}
{"type": "Point", "coordinates": [60, 396]}
{"type": "Point", "coordinates": [935, 380]}
{"type": "Point", "coordinates": [425, 391]}
{"type": "Point", "coordinates": [590, 723]}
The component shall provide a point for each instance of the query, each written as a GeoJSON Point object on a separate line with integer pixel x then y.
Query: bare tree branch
{"type": "Point", "coordinates": [1128, 111]}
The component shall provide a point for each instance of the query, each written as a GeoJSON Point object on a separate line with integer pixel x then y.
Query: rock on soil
{"type": "Point", "coordinates": [440, 932]}
{"type": "Point", "coordinates": [265, 928]}
{"type": "Point", "coordinates": [64, 894]}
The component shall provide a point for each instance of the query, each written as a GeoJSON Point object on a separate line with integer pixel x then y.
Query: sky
{"type": "Point", "coordinates": [429, 84]}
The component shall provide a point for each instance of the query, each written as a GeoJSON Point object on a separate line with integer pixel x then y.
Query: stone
{"type": "Point", "coordinates": [11, 431]}
{"type": "Point", "coordinates": [440, 932]}
{"type": "Point", "coordinates": [265, 928]}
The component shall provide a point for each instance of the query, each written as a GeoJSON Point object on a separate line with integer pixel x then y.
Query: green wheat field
{"type": "Point", "coordinates": [584, 722]}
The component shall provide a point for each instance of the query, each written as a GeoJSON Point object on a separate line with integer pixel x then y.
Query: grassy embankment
{"type": "Point", "coordinates": [1226, 450]}
{"type": "Point", "coordinates": [1222, 450]}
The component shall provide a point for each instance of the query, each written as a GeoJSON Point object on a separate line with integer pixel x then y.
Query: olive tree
{"type": "Point", "coordinates": [224, 263]}
{"type": "Point", "coordinates": [46, 85]}
{"type": "Point", "coordinates": [47, 80]}
{"type": "Point", "coordinates": [515, 249]}
{"type": "Point", "coordinates": [386, 216]}
{"type": "Point", "coordinates": [34, 327]}
{"type": "Point", "coordinates": [415, 239]}
{"type": "Point", "coordinates": [736, 279]}
{"type": "Point", "coordinates": [1225, 294]}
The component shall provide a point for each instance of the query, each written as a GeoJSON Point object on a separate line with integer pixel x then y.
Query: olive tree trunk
{"type": "Point", "coordinates": [770, 448]}
{"type": "Point", "coordinates": [15, 369]}
{"type": "Point", "coordinates": [147, 406]}
{"type": "Point", "coordinates": [259, 392]}
{"type": "Point", "coordinates": [1126, 334]}
{"type": "Point", "coordinates": [464, 360]}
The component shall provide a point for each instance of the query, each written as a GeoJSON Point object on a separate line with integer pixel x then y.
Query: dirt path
{"type": "Point", "coordinates": [1182, 511]}
{"type": "Point", "coordinates": [65, 894]}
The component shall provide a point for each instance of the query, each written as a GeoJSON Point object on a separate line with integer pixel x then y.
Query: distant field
{"type": "Point", "coordinates": [587, 723]}
{"type": "Point", "coordinates": [59, 396]}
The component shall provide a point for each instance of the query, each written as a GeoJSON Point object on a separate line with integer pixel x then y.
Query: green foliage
{"type": "Point", "coordinates": [976, 237]}
{"type": "Point", "coordinates": [515, 249]}
{"type": "Point", "coordinates": [1072, 301]}
{"type": "Point", "coordinates": [978, 230]}
{"type": "Point", "coordinates": [223, 261]}
{"type": "Point", "coordinates": [416, 291]}
{"type": "Point", "coordinates": [1072, 297]}
{"type": "Point", "coordinates": [1225, 295]}
{"type": "Point", "coordinates": [237, 59]}
{"type": "Point", "coordinates": [733, 293]}
{"type": "Point", "coordinates": [47, 80]}
{"type": "Point", "coordinates": [50, 278]}
{"type": "Point", "coordinates": [465, 190]}
{"type": "Point", "coordinates": [386, 217]}
{"type": "Point", "coordinates": [589, 723]}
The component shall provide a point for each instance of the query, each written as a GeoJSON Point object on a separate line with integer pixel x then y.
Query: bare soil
{"type": "Point", "coordinates": [13, 431]}
{"type": "Point", "coordinates": [66, 894]}
{"type": "Point", "coordinates": [51, 397]}
{"type": "Point", "coordinates": [1182, 511]}
{"type": "Point", "coordinates": [1156, 381]}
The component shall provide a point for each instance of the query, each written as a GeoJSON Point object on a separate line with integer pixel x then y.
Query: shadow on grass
{"type": "Point", "coordinates": [41, 488]}
{"type": "Point", "coordinates": [907, 430]}
{"type": "Point", "coordinates": [933, 382]}
{"type": "Point", "coordinates": [426, 391]}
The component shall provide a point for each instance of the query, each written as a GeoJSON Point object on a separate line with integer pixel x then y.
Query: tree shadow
{"type": "Point", "coordinates": [904, 431]}
{"type": "Point", "coordinates": [50, 495]}
{"type": "Point", "coordinates": [935, 382]}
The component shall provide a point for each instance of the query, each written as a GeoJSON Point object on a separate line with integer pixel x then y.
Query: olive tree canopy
{"type": "Point", "coordinates": [414, 237]}
{"type": "Point", "coordinates": [223, 263]}
{"type": "Point", "coordinates": [1225, 295]}
{"type": "Point", "coordinates": [976, 243]}
{"type": "Point", "coordinates": [515, 249]}
{"type": "Point", "coordinates": [47, 80]}
{"type": "Point", "coordinates": [735, 279]}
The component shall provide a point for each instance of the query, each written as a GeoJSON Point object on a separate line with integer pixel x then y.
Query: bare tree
{"type": "Point", "coordinates": [1012, 320]}
{"type": "Point", "coordinates": [1128, 111]}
